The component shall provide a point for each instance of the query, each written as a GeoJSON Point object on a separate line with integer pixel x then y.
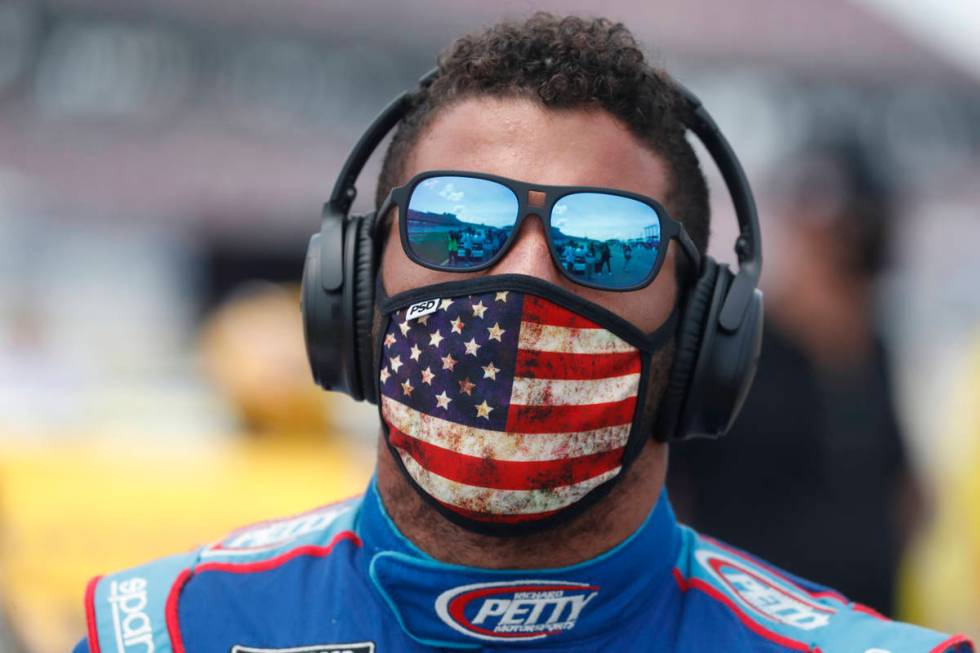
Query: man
{"type": "Point", "coordinates": [820, 422]}
{"type": "Point", "coordinates": [484, 528]}
{"type": "Point", "coordinates": [604, 257]}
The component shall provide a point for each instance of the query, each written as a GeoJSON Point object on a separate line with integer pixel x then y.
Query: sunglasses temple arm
{"type": "Point", "coordinates": [379, 216]}
{"type": "Point", "coordinates": [692, 252]}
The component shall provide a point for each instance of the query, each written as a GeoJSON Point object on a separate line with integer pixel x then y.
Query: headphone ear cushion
{"type": "Point", "coordinates": [690, 334]}
{"type": "Point", "coordinates": [363, 281]}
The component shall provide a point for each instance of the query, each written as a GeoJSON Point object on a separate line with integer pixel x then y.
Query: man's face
{"type": "Point", "coordinates": [519, 139]}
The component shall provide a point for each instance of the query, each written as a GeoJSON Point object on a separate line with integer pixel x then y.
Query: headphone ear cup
{"type": "Point", "coordinates": [717, 377]}
{"type": "Point", "coordinates": [337, 314]}
{"type": "Point", "coordinates": [725, 368]}
{"type": "Point", "coordinates": [323, 304]}
{"type": "Point", "coordinates": [363, 282]}
{"type": "Point", "coordinates": [686, 352]}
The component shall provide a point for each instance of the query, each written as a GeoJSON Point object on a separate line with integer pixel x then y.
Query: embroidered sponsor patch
{"type": "Point", "coordinates": [270, 535]}
{"type": "Point", "coordinates": [515, 610]}
{"type": "Point", "coordinates": [359, 647]}
{"type": "Point", "coordinates": [130, 619]}
{"type": "Point", "coordinates": [774, 601]}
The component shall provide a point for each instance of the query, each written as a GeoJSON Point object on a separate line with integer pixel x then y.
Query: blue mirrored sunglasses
{"type": "Point", "coordinates": [598, 237]}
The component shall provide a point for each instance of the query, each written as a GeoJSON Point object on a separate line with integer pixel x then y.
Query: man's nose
{"type": "Point", "coordinates": [529, 254]}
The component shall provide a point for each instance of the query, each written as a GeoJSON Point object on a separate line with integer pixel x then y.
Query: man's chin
{"type": "Point", "coordinates": [598, 528]}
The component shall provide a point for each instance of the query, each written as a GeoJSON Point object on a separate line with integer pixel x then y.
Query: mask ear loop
{"type": "Point", "coordinates": [641, 428]}
{"type": "Point", "coordinates": [380, 323]}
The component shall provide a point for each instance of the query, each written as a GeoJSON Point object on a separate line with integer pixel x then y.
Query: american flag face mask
{"type": "Point", "coordinates": [510, 403]}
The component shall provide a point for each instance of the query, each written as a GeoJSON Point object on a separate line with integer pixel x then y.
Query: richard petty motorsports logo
{"type": "Point", "coordinates": [779, 603]}
{"type": "Point", "coordinates": [514, 610]}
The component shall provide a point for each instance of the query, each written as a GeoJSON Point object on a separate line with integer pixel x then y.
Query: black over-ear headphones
{"type": "Point", "coordinates": [719, 337]}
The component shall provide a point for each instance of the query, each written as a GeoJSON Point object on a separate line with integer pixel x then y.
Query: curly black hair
{"type": "Point", "coordinates": [565, 62]}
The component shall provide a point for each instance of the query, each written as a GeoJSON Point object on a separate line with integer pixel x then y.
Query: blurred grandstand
{"type": "Point", "coordinates": [156, 155]}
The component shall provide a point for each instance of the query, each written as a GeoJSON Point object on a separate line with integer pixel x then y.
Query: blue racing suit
{"type": "Point", "coordinates": [343, 579]}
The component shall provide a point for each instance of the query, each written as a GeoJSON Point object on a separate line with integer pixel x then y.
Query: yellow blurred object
{"type": "Point", "coordinates": [75, 510]}
{"type": "Point", "coordinates": [252, 347]}
{"type": "Point", "coordinates": [940, 585]}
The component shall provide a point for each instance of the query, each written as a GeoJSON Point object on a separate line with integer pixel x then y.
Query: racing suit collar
{"type": "Point", "coordinates": [454, 606]}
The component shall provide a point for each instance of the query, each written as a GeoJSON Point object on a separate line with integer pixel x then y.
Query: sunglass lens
{"type": "Point", "coordinates": [606, 240]}
{"type": "Point", "coordinates": [459, 222]}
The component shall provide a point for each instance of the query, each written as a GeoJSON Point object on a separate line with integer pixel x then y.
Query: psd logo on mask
{"type": "Point", "coordinates": [514, 610]}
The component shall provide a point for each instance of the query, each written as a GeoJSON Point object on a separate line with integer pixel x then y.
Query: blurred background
{"type": "Point", "coordinates": [162, 165]}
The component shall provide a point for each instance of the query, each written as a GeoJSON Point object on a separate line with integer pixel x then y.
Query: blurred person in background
{"type": "Point", "coordinates": [824, 486]}
{"type": "Point", "coordinates": [253, 352]}
{"type": "Point", "coordinates": [515, 550]}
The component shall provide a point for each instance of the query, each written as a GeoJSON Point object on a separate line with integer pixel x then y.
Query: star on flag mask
{"type": "Point", "coordinates": [509, 403]}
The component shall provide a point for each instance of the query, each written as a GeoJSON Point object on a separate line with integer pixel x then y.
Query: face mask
{"type": "Point", "coordinates": [509, 403]}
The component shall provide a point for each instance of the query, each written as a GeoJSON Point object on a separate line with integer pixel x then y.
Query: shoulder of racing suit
{"type": "Point", "coordinates": [793, 613]}
{"type": "Point", "coordinates": [258, 583]}
{"type": "Point", "coordinates": [136, 610]}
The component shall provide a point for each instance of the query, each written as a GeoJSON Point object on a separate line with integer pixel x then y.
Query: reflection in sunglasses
{"type": "Point", "coordinates": [603, 239]}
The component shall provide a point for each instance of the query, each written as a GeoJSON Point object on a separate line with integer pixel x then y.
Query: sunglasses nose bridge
{"type": "Point", "coordinates": [536, 199]}
{"type": "Point", "coordinates": [533, 208]}
{"type": "Point", "coordinates": [530, 252]}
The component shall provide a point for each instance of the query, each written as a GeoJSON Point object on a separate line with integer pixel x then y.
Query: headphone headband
{"type": "Point", "coordinates": [344, 190]}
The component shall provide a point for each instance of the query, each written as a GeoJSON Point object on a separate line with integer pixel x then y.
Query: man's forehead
{"type": "Point", "coordinates": [521, 139]}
